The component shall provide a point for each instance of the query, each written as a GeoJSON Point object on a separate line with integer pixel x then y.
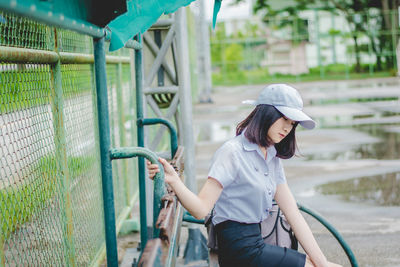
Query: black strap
{"type": "Point", "coordinates": [209, 220]}
{"type": "Point", "coordinates": [275, 224]}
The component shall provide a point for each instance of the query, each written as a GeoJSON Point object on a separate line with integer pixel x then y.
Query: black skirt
{"type": "Point", "coordinates": [241, 245]}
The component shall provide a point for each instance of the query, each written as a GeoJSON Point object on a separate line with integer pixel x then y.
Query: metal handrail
{"type": "Point", "coordinates": [171, 128]}
{"type": "Point", "coordinates": [334, 232]}
{"type": "Point", "coordinates": [159, 185]}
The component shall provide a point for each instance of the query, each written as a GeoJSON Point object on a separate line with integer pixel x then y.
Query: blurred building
{"type": "Point", "coordinates": [315, 39]}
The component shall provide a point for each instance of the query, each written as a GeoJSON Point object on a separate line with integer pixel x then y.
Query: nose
{"type": "Point", "coordinates": [287, 126]}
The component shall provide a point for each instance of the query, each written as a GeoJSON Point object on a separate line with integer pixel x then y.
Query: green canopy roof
{"type": "Point", "coordinates": [139, 17]}
{"type": "Point", "coordinates": [124, 18]}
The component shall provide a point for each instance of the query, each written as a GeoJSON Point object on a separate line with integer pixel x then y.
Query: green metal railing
{"type": "Point", "coordinates": [51, 188]}
{"type": "Point", "coordinates": [172, 131]}
{"type": "Point", "coordinates": [63, 106]}
{"type": "Point", "coordinates": [159, 185]}
{"type": "Point", "coordinates": [333, 231]}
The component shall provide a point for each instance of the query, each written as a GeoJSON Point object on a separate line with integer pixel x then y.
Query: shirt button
{"type": "Point", "coordinates": [269, 192]}
{"type": "Point", "coordinates": [266, 173]}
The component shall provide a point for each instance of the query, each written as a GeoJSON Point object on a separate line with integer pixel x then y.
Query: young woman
{"type": "Point", "coordinates": [245, 176]}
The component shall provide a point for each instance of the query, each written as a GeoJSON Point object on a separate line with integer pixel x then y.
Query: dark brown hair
{"type": "Point", "coordinates": [257, 125]}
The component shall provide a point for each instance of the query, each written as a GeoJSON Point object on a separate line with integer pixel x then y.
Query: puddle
{"type": "Point", "coordinates": [388, 148]}
{"type": "Point", "coordinates": [348, 85]}
{"type": "Point", "coordinates": [382, 190]}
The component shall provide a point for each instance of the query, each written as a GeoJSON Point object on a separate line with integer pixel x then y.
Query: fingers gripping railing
{"type": "Point", "coordinates": [162, 249]}
{"type": "Point", "coordinates": [159, 185]}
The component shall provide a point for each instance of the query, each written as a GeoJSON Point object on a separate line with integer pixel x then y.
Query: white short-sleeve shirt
{"type": "Point", "coordinates": [249, 180]}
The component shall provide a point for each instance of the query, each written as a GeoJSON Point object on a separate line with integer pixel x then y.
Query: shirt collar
{"type": "Point", "coordinates": [249, 146]}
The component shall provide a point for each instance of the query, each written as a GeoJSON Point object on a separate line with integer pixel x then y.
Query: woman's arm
{"type": "Point", "coordinates": [197, 205]}
{"type": "Point", "coordinates": [287, 204]}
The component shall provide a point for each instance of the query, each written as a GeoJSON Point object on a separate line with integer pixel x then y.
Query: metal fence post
{"type": "Point", "coordinates": [132, 115]}
{"type": "Point", "coordinates": [121, 129]}
{"type": "Point", "coordinates": [63, 175]}
{"type": "Point", "coordinates": [140, 142]}
{"type": "Point", "coordinates": [196, 246]}
{"type": "Point", "coordinates": [104, 135]}
{"type": "Point", "coordinates": [204, 55]}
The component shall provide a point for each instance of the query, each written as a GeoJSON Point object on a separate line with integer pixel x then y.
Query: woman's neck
{"type": "Point", "coordinates": [264, 151]}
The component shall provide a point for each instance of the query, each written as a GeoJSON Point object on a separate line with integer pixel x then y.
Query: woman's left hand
{"type": "Point", "coordinates": [169, 171]}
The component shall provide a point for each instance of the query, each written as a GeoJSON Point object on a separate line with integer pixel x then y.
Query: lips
{"type": "Point", "coordinates": [282, 135]}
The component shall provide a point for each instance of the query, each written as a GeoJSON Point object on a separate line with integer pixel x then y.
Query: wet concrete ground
{"type": "Point", "coordinates": [332, 152]}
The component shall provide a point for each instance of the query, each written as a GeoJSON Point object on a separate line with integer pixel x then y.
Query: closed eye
{"type": "Point", "coordinates": [293, 122]}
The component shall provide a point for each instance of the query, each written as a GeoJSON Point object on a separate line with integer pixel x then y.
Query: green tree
{"type": "Point", "coordinates": [233, 57]}
{"type": "Point", "coordinates": [217, 44]}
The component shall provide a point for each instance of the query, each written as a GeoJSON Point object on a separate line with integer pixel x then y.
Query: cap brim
{"type": "Point", "coordinates": [297, 115]}
{"type": "Point", "coordinates": [249, 102]}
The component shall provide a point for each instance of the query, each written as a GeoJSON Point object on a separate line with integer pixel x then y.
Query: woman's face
{"type": "Point", "coordinates": [280, 129]}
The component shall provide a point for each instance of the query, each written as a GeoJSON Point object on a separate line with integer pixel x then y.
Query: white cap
{"type": "Point", "coordinates": [287, 100]}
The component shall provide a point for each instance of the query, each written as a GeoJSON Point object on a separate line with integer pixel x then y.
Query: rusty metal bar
{"type": "Point", "coordinates": [165, 221]}
{"type": "Point", "coordinates": [24, 55]}
{"type": "Point", "coordinates": [152, 254]}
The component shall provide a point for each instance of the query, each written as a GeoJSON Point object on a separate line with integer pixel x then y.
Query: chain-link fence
{"type": "Point", "coordinates": [313, 45]}
{"type": "Point", "coordinates": [51, 206]}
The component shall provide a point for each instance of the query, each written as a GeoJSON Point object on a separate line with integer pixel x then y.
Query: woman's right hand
{"type": "Point", "coordinates": [170, 174]}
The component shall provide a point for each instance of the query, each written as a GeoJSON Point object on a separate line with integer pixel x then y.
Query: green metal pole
{"type": "Point", "coordinates": [132, 116]}
{"type": "Point", "coordinates": [140, 142]}
{"type": "Point", "coordinates": [63, 176]}
{"type": "Point", "coordinates": [187, 217]}
{"type": "Point", "coordinates": [171, 128]}
{"type": "Point", "coordinates": [333, 231]}
{"type": "Point", "coordinates": [159, 185]}
{"type": "Point", "coordinates": [121, 129]}
{"type": "Point", "coordinates": [106, 169]}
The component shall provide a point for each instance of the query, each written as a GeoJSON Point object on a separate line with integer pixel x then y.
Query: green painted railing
{"type": "Point", "coordinates": [140, 140]}
{"type": "Point", "coordinates": [159, 185]}
{"type": "Point", "coordinates": [171, 128]}
{"type": "Point", "coordinates": [333, 231]}
{"type": "Point", "coordinates": [105, 144]}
